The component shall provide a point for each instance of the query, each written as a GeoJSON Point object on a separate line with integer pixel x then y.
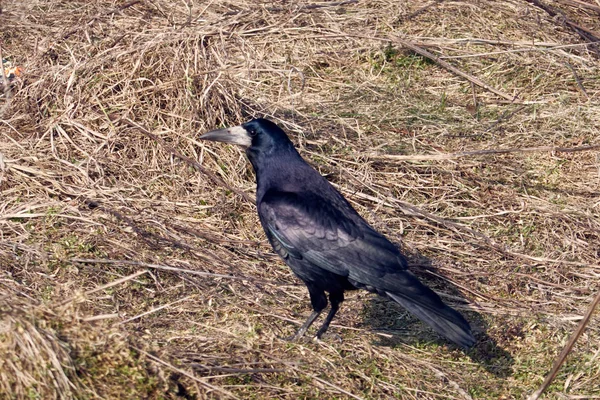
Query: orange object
{"type": "Point", "coordinates": [13, 72]}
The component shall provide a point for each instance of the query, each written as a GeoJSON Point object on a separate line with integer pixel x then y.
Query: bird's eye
{"type": "Point", "coordinates": [252, 132]}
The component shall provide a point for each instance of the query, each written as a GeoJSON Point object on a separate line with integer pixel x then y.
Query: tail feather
{"type": "Point", "coordinates": [406, 289]}
{"type": "Point", "coordinates": [444, 320]}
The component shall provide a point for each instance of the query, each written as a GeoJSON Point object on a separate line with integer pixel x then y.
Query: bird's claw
{"type": "Point", "coordinates": [295, 338]}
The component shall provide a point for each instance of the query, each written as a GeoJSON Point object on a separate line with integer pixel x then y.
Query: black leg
{"type": "Point", "coordinates": [305, 326]}
{"type": "Point", "coordinates": [335, 299]}
{"type": "Point", "coordinates": [319, 302]}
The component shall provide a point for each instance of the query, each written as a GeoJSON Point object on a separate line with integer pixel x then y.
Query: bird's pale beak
{"type": "Point", "coordinates": [235, 135]}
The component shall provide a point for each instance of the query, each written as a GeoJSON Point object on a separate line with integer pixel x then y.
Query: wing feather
{"type": "Point", "coordinates": [329, 236]}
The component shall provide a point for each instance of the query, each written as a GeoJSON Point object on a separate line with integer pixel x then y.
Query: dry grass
{"type": "Point", "coordinates": [33, 354]}
{"type": "Point", "coordinates": [127, 272]}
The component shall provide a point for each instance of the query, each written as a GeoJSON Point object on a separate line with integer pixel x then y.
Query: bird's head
{"type": "Point", "coordinates": [259, 137]}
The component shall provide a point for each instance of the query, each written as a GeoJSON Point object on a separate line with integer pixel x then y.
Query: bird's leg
{"type": "Point", "coordinates": [305, 326]}
{"type": "Point", "coordinates": [335, 300]}
{"type": "Point", "coordinates": [319, 302]}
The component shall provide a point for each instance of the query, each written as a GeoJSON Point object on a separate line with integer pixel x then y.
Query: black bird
{"type": "Point", "coordinates": [324, 240]}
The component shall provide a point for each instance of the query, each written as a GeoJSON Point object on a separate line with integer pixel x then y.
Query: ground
{"type": "Point", "coordinates": [132, 262]}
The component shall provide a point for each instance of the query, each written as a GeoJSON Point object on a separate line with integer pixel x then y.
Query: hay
{"type": "Point", "coordinates": [102, 176]}
{"type": "Point", "coordinates": [36, 360]}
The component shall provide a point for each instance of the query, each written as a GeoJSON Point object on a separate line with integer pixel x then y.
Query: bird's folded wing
{"type": "Point", "coordinates": [330, 236]}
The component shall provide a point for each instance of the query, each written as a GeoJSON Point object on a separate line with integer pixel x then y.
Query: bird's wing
{"type": "Point", "coordinates": [328, 235]}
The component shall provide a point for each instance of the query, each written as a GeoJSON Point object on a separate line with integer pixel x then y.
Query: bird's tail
{"type": "Point", "coordinates": [425, 304]}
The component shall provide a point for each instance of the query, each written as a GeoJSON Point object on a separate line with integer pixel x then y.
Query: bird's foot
{"type": "Point", "coordinates": [293, 338]}
{"type": "Point", "coordinates": [296, 337]}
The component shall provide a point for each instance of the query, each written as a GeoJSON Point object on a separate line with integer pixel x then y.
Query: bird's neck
{"type": "Point", "coordinates": [280, 171]}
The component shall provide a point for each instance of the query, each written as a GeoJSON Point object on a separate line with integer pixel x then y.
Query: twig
{"type": "Point", "coordinates": [421, 51]}
{"type": "Point", "coordinates": [577, 79]}
{"type": "Point", "coordinates": [583, 32]}
{"type": "Point", "coordinates": [144, 234]}
{"type": "Point", "coordinates": [437, 40]}
{"type": "Point", "coordinates": [108, 285]}
{"type": "Point", "coordinates": [567, 349]}
{"type": "Point", "coordinates": [100, 317]}
{"type": "Point", "coordinates": [172, 269]}
{"type": "Point", "coordinates": [328, 4]}
{"type": "Point", "coordinates": [232, 371]}
{"type": "Point", "coordinates": [302, 8]}
{"type": "Point", "coordinates": [182, 372]}
{"type": "Point", "coordinates": [460, 154]}
{"type": "Point", "coordinates": [216, 180]}
{"type": "Point", "coordinates": [539, 48]}
{"type": "Point", "coordinates": [578, 3]}
{"type": "Point", "coordinates": [23, 214]}
{"type": "Point", "coordinates": [155, 309]}
{"type": "Point", "coordinates": [337, 388]}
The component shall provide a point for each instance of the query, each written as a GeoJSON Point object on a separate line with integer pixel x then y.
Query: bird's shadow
{"type": "Point", "coordinates": [397, 327]}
